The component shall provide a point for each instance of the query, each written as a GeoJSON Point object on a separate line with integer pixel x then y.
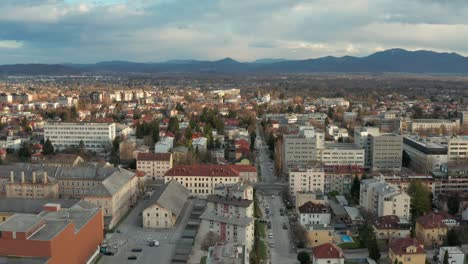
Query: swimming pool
{"type": "Point", "coordinates": [346, 239]}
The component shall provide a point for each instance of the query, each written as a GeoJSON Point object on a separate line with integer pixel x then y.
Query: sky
{"type": "Point", "coordinates": [89, 31]}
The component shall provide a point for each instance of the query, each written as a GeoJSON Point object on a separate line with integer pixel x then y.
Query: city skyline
{"type": "Point", "coordinates": [60, 31]}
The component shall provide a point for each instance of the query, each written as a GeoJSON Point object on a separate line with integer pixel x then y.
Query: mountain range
{"type": "Point", "coordinates": [389, 61]}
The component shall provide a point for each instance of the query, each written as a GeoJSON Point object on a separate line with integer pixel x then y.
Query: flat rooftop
{"type": "Point", "coordinates": [20, 223]}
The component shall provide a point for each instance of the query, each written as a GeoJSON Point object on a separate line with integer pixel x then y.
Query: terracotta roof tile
{"type": "Point", "coordinates": [399, 246]}
{"type": "Point", "coordinates": [327, 251]}
{"type": "Point", "coordinates": [434, 220]}
{"type": "Point", "coordinates": [203, 170]}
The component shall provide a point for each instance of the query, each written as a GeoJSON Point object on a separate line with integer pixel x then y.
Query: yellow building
{"type": "Point", "coordinates": [31, 184]}
{"type": "Point", "coordinates": [406, 251]}
{"type": "Point", "coordinates": [319, 234]}
{"type": "Point", "coordinates": [432, 228]}
{"type": "Point", "coordinates": [4, 216]}
{"type": "Point", "coordinates": [391, 227]}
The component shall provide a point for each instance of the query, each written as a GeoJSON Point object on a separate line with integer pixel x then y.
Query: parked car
{"type": "Point", "coordinates": [270, 236]}
{"type": "Point", "coordinates": [285, 226]}
{"type": "Point", "coordinates": [133, 257]}
{"type": "Point", "coordinates": [137, 250]}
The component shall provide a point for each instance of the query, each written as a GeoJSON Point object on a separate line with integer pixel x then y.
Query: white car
{"type": "Point", "coordinates": [270, 236]}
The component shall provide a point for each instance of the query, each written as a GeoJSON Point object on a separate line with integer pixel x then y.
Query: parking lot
{"type": "Point", "coordinates": [132, 235]}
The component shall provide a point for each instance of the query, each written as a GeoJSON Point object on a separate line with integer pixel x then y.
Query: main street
{"type": "Point", "coordinates": [269, 191]}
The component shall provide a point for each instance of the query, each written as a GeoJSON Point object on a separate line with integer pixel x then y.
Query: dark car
{"type": "Point", "coordinates": [285, 226]}
{"type": "Point", "coordinates": [108, 253]}
{"type": "Point", "coordinates": [269, 225]}
{"type": "Point", "coordinates": [133, 257]}
{"type": "Point", "coordinates": [137, 250]}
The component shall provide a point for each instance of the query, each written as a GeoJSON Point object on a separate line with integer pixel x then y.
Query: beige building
{"type": "Point", "coordinates": [381, 198]}
{"type": "Point", "coordinates": [165, 206]}
{"type": "Point", "coordinates": [306, 180]}
{"type": "Point", "coordinates": [342, 154]}
{"type": "Point", "coordinates": [431, 229]}
{"type": "Point", "coordinates": [155, 165]}
{"type": "Point", "coordinates": [391, 227]}
{"type": "Point", "coordinates": [300, 150]}
{"type": "Point", "coordinates": [406, 251]}
{"type": "Point", "coordinates": [319, 234]}
{"type": "Point", "coordinates": [202, 179]}
{"type": "Point", "coordinates": [62, 160]}
{"type": "Point", "coordinates": [458, 149]}
{"type": "Point", "coordinates": [28, 183]}
{"type": "Point", "coordinates": [239, 190]}
{"type": "Point", "coordinates": [440, 126]}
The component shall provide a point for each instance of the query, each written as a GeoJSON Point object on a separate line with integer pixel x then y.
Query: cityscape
{"type": "Point", "coordinates": [315, 153]}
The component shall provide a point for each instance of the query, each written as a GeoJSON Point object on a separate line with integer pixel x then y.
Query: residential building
{"type": "Point", "coordinates": [230, 218]}
{"type": "Point", "coordinates": [200, 144]}
{"type": "Point", "coordinates": [439, 126]}
{"type": "Point", "coordinates": [319, 234]}
{"type": "Point", "coordinates": [96, 137]}
{"type": "Point", "coordinates": [165, 206]}
{"type": "Point", "coordinates": [362, 138]}
{"type": "Point", "coordinates": [432, 228]}
{"type": "Point", "coordinates": [403, 181]}
{"type": "Point", "coordinates": [327, 254]}
{"type": "Point", "coordinates": [239, 190]}
{"type": "Point", "coordinates": [381, 198]}
{"type": "Point", "coordinates": [247, 173]}
{"type": "Point", "coordinates": [340, 177]}
{"type": "Point", "coordinates": [306, 180]}
{"type": "Point", "coordinates": [314, 197]}
{"type": "Point", "coordinates": [424, 155]}
{"type": "Point", "coordinates": [337, 133]}
{"type": "Point", "coordinates": [406, 251]}
{"type": "Point", "coordinates": [455, 255]}
{"type": "Point", "coordinates": [391, 227]}
{"type": "Point", "coordinates": [47, 237]}
{"type": "Point", "coordinates": [164, 145]}
{"type": "Point", "coordinates": [458, 149]}
{"type": "Point", "coordinates": [310, 213]}
{"type": "Point", "coordinates": [301, 149]}
{"type": "Point", "coordinates": [30, 183]}
{"type": "Point", "coordinates": [155, 165]}
{"type": "Point", "coordinates": [62, 160]}
{"type": "Point", "coordinates": [227, 253]}
{"type": "Point", "coordinates": [341, 154]}
{"type": "Point", "coordinates": [202, 179]}
{"type": "Point", "coordinates": [386, 151]}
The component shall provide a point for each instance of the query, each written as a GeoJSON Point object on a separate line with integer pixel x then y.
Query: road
{"type": "Point", "coordinates": [133, 235]}
{"type": "Point", "coordinates": [270, 195]}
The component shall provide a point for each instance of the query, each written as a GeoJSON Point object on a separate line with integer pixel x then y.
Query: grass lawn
{"type": "Point", "coordinates": [257, 211]}
{"type": "Point", "coordinates": [260, 228]}
{"type": "Point", "coordinates": [203, 260]}
{"type": "Point", "coordinates": [262, 250]}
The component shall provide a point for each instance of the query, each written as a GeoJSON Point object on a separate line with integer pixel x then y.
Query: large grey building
{"type": "Point", "coordinates": [386, 151]}
{"type": "Point", "coordinates": [301, 149]}
{"type": "Point", "coordinates": [362, 139]}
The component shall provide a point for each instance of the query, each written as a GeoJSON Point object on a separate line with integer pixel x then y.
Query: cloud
{"type": "Point", "coordinates": [10, 44]}
{"type": "Point", "coordinates": [155, 30]}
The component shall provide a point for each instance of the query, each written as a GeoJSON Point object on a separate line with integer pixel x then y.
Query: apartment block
{"type": "Point", "coordinates": [381, 198]}
{"type": "Point", "coordinates": [155, 165]}
{"type": "Point", "coordinates": [340, 178]}
{"type": "Point", "coordinates": [301, 149]}
{"type": "Point", "coordinates": [439, 126]}
{"type": "Point", "coordinates": [310, 213]}
{"type": "Point", "coordinates": [386, 152]}
{"type": "Point", "coordinates": [458, 149]}
{"type": "Point", "coordinates": [362, 139]}
{"type": "Point", "coordinates": [310, 179]}
{"type": "Point", "coordinates": [95, 136]}
{"type": "Point", "coordinates": [340, 154]}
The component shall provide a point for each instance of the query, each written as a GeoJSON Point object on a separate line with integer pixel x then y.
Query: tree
{"type": "Point", "coordinates": [48, 148]}
{"type": "Point", "coordinates": [446, 258]}
{"type": "Point", "coordinates": [374, 252]}
{"type": "Point", "coordinates": [155, 133]}
{"type": "Point", "coordinates": [25, 152]}
{"type": "Point", "coordinates": [355, 189]}
{"type": "Point", "coordinates": [452, 238]}
{"type": "Point", "coordinates": [211, 238]}
{"type": "Point", "coordinates": [188, 133]}
{"type": "Point", "coordinates": [303, 257]}
{"type": "Point", "coordinates": [453, 204]}
{"type": "Point", "coordinates": [420, 200]}
{"type": "Point", "coordinates": [81, 148]}
{"type": "Point", "coordinates": [173, 125]}
{"type": "Point", "coordinates": [253, 136]}
{"type": "Point", "coordinates": [226, 150]}
{"type": "Point", "coordinates": [300, 235]}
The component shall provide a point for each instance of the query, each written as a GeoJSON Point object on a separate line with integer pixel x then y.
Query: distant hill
{"type": "Point", "coordinates": [38, 69]}
{"type": "Point", "coordinates": [390, 61]}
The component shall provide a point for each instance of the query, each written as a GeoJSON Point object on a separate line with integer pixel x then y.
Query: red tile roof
{"type": "Point", "coordinates": [434, 220]}
{"type": "Point", "coordinates": [148, 156]}
{"type": "Point", "coordinates": [327, 251]}
{"type": "Point", "coordinates": [399, 246]}
{"type": "Point", "coordinates": [203, 170]}
{"type": "Point", "coordinates": [243, 168]}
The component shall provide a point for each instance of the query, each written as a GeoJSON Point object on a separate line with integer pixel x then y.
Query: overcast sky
{"type": "Point", "coordinates": [88, 31]}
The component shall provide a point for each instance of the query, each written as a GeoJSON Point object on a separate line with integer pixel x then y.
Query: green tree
{"type": "Point", "coordinates": [452, 239]}
{"type": "Point", "coordinates": [48, 148]}
{"type": "Point", "coordinates": [25, 152]}
{"type": "Point", "coordinates": [446, 258]}
{"type": "Point", "coordinates": [81, 148]}
{"type": "Point", "coordinates": [355, 189]}
{"type": "Point", "coordinates": [253, 136]}
{"type": "Point", "coordinates": [226, 150]}
{"type": "Point", "coordinates": [420, 200]}
{"type": "Point", "coordinates": [173, 125]}
{"type": "Point", "coordinates": [374, 252]}
{"type": "Point", "coordinates": [188, 133]}
{"type": "Point", "coordinates": [453, 204]}
{"type": "Point", "coordinates": [303, 257]}
{"type": "Point", "coordinates": [155, 131]}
